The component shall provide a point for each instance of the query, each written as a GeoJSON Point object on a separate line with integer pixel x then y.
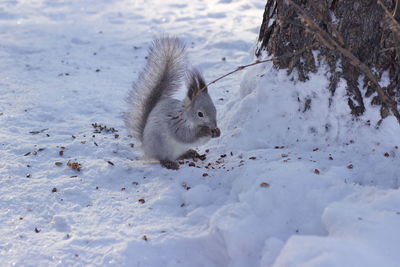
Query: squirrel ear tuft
{"type": "Point", "coordinates": [195, 83]}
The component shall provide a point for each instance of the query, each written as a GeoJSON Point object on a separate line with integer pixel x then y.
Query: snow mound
{"type": "Point", "coordinates": [360, 234]}
{"type": "Point", "coordinates": [272, 109]}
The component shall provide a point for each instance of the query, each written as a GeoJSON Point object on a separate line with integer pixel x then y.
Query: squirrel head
{"type": "Point", "coordinates": [201, 111]}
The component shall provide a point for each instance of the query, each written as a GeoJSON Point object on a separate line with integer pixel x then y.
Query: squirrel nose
{"type": "Point", "coordinates": [216, 132]}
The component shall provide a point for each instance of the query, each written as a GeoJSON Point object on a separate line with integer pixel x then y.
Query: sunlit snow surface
{"type": "Point", "coordinates": [283, 186]}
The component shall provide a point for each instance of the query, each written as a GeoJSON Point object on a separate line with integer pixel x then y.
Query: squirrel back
{"type": "Point", "coordinates": [165, 68]}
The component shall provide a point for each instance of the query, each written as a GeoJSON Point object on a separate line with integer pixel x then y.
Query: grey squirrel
{"type": "Point", "coordinates": [168, 128]}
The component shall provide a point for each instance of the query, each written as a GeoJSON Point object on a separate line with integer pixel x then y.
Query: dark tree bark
{"type": "Point", "coordinates": [360, 26]}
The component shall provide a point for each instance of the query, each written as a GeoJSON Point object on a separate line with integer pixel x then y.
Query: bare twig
{"type": "Point", "coordinates": [389, 48]}
{"type": "Point", "coordinates": [394, 24]}
{"type": "Point", "coordinates": [396, 11]}
{"type": "Point", "coordinates": [239, 68]}
{"type": "Point", "coordinates": [255, 63]}
{"type": "Point", "coordinates": [331, 43]}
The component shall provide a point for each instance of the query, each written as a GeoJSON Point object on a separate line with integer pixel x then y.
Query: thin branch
{"type": "Point", "coordinates": [389, 48]}
{"type": "Point", "coordinates": [331, 43]}
{"type": "Point", "coordinates": [396, 11]}
{"type": "Point", "coordinates": [239, 68]}
{"type": "Point", "coordinates": [253, 64]}
{"type": "Point", "coordinates": [394, 24]}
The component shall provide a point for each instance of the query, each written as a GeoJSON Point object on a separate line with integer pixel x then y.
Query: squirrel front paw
{"type": "Point", "coordinates": [215, 132]}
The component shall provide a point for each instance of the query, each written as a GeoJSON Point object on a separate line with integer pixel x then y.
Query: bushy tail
{"type": "Point", "coordinates": [160, 78]}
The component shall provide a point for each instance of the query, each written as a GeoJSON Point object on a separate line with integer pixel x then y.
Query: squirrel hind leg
{"type": "Point", "coordinates": [169, 164]}
{"type": "Point", "coordinates": [192, 154]}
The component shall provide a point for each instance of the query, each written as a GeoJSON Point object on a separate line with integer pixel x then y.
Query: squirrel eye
{"type": "Point", "coordinates": [200, 114]}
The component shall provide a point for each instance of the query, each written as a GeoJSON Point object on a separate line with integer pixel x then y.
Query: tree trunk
{"type": "Point", "coordinates": [361, 27]}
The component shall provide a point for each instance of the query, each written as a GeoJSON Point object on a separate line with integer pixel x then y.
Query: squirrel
{"type": "Point", "coordinates": [167, 127]}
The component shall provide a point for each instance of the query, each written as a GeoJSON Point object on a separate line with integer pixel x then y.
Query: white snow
{"type": "Point", "coordinates": [283, 187]}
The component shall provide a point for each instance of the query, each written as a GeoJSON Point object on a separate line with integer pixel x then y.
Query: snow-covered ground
{"type": "Point", "coordinates": [281, 187]}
